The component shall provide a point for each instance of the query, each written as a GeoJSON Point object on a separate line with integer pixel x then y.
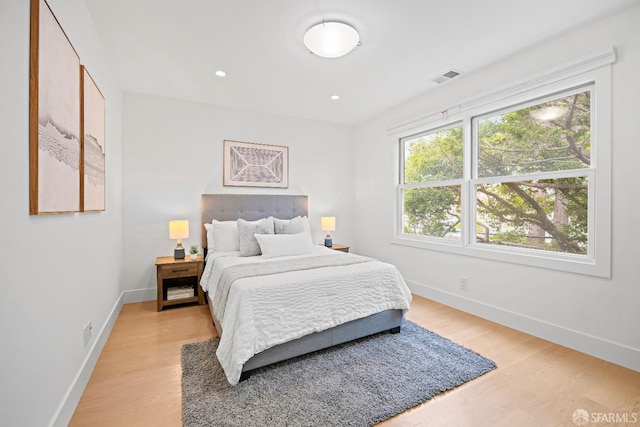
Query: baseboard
{"type": "Point", "coordinates": [140, 295]}
{"type": "Point", "coordinates": [610, 351]}
{"type": "Point", "coordinates": [70, 401]}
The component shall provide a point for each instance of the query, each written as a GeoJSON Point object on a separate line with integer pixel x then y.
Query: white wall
{"type": "Point", "coordinates": [58, 271]}
{"type": "Point", "coordinates": [595, 315]}
{"type": "Point", "coordinates": [173, 154]}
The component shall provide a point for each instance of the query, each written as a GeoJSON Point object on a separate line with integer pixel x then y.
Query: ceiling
{"type": "Point", "coordinates": [172, 48]}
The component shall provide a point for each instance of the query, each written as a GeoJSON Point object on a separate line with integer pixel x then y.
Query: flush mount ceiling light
{"type": "Point", "coordinates": [331, 39]}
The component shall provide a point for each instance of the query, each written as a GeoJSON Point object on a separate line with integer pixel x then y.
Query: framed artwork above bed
{"type": "Point", "coordinates": [255, 165]}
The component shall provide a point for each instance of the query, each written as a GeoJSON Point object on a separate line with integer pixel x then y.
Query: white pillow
{"type": "Point", "coordinates": [307, 227]}
{"type": "Point", "coordinates": [299, 224]}
{"type": "Point", "coordinates": [288, 226]}
{"type": "Point", "coordinates": [247, 229]}
{"type": "Point", "coordinates": [222, 236]}
{"type": "Point", "coordinates": [276, 245]}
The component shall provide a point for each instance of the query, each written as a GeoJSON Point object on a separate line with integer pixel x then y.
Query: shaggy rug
{"type": "Point", "coordinates": [358, 383]}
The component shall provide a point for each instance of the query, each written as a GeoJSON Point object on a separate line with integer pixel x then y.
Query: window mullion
{"type": "Point", "coordinates": [468, 205]}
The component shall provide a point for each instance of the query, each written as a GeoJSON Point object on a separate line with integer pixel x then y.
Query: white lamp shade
{"type": "Point", "coordinates": [328, 223]}
{"type": "Point", "coordinates": [179, 229]}
{"type": "Point", "coordinates": [331, 39]}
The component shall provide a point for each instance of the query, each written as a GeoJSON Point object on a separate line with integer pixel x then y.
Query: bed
{"type": "Point", "coordinates": [304, 303]}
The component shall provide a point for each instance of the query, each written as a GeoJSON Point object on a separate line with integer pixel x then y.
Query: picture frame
{"type": "Point", "coordinates": [249, 164]}
{"type": "Point", "coordinates": [92, 148]}
{"type": "Point", "coordinates": [54, 116]}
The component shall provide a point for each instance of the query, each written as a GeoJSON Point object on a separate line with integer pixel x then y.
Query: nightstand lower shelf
{"type": "Point", "coordinates": [167, 303]}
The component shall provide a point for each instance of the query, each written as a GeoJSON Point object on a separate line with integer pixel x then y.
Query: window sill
{"type": "Point", "coordinates": [541, 259]}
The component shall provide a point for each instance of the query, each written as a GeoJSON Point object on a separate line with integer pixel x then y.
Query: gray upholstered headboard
{"type": "Point", "coordinates": [229, 207]}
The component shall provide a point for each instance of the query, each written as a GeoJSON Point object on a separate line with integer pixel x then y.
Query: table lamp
{"type": "Point", "coordinates": [179, 229]}
{"type": "Point", "coordinates": [328, 224]}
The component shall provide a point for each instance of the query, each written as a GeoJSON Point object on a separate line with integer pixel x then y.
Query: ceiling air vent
{"type": "Point", "coordinates": [446, 76]}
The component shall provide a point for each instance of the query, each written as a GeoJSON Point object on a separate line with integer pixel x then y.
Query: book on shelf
{"type": "Point", "coordinates": [180, 293]}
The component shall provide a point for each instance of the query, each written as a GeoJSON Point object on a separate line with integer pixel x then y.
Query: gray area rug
{"type": "Point", "coordinates": [358, 383]}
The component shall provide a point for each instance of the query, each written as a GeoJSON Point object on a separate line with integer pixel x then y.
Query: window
{"type": "Point", "coordinates": [512, 176]}
{"type": "Point", "coordinates": [431, 183]}
{"type": "Point", "coordinates": [532, 175]}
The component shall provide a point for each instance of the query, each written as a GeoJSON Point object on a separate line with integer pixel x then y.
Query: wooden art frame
{"type": "Point", "coordinates": [255, 165]}
{"type": "Point", "coordinates": [54, 116]}
{"type": "Point", "coordinates": [92, 151]}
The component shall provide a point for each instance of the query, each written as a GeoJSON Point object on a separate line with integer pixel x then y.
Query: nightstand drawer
{"type": "Point", "coordinates": [182, 270]}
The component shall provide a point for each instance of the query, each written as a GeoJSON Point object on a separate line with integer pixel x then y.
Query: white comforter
{"type": "Point", "coordinates": [263, 311]}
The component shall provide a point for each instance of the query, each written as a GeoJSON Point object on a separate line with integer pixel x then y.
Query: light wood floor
{"type": "Point", "coordinates": [537, 383]}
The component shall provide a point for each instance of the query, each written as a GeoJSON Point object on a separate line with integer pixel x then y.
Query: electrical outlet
{"type": "Point", "coordinates": [86, 333]}
{"type": "Point", "coordinates": [464, 284]}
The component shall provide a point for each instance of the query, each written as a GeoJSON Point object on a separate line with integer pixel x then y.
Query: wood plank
{"type": "Point", "coordinates": [137, 380]}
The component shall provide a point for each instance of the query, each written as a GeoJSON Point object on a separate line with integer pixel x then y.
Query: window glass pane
{"type": "Point", "coordinates": [546, 137]}
{"type": "Point", "coordinates": [548, 214]}
{"type": "Point", "coordinates": [435, 156]}
{"type": "Point", "coordinates": [433, 211]}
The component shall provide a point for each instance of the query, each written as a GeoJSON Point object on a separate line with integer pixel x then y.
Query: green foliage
{"type": "Point", "coordinates": [433, 211]}
{"type": "Point", "coordinates": [434, 157]}
{"type": "Point", "coordinates": [193, 249]}
{"type": "Point", "coordinates": [517, 142]}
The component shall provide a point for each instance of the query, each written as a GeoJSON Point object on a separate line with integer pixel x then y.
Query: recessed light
{"type": "Point", "coordinates": [335, 97]}
{"type": "Point", "coordinates": [220, 73]}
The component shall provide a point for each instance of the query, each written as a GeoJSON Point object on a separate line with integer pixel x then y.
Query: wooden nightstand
{"type": "Point", "coordinates": [339, 247]}
{"type": "Point", "coordinates": [177, 276]}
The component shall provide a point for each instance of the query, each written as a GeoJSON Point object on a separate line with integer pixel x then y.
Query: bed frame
{"type": "Point", "coordinates": [230, 207]}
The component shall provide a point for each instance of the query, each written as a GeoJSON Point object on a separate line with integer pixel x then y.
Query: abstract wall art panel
{"type": "Point", "coordinates": [54, 116]}
{"type": "Point", "coordinates": [93, 143]}
{"type": "Point", "coordinates": [255, 165]}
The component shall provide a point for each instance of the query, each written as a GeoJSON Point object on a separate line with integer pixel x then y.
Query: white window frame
{"type": "Point", "coordinates": [428, 184]}
{"type": "Point", "coordinates": [592, 72]}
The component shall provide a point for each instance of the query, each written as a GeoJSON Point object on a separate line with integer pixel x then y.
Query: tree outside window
{"type": "Point", "coordinates": [529, 179]}
{"type": "Point", "coordinates": [431, 205]}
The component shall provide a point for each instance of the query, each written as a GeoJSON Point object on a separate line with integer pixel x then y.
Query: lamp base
{"type": "Point", "coordinates": [178, 253]}
{"type": "Point", "coordinates": [328, 241]}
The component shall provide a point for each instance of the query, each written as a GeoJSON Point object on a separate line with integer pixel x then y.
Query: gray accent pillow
{"type": "Point", "coordinates": [246, 229]}
{"type": "Point", "coordinates": [288, 226]}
